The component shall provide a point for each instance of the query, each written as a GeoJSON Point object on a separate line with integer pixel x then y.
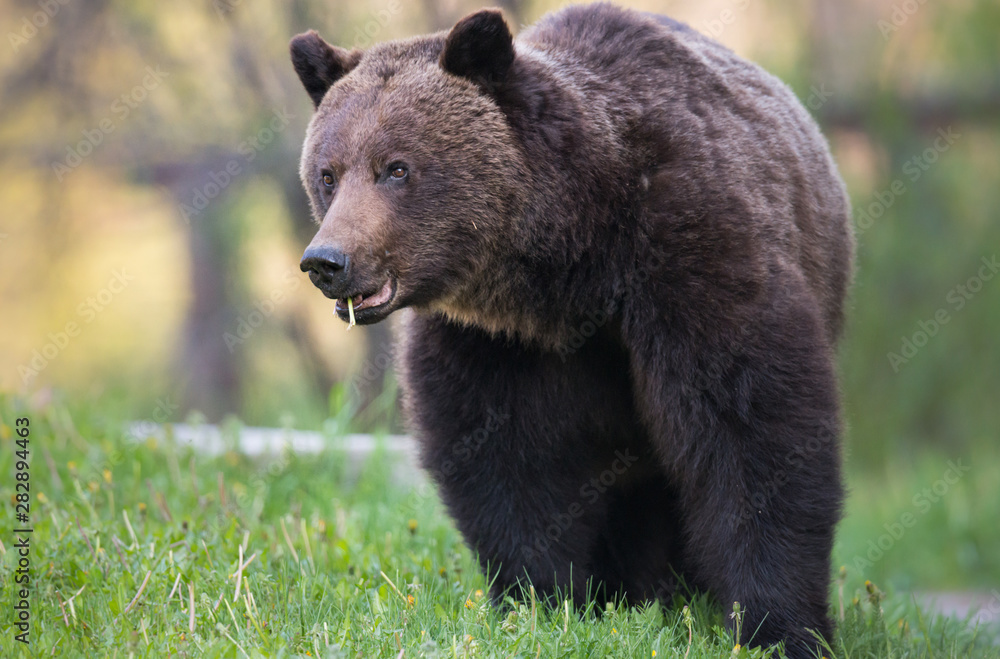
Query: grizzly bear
{"type": "Point", "coordinates": [624, 251]}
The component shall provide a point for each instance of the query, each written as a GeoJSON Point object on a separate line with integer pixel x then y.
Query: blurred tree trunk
{"type": "Point", "coordinates": [515, 12]}
{"type": "Point", "coordinates": [436, 18]}
{"type": "Point", "coordinates": [441, 18]}
{"type": "Point", "coordinates": [208, 368]}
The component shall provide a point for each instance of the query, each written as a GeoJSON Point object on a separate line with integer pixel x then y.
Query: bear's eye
{"type": "Point", "coordinates": [397, 172]}
{"type": "Point", "coordinates": [328, 180]}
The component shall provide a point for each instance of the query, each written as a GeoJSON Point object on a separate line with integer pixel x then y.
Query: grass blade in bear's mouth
{"type": "Point", "coordinates": [338, 308]}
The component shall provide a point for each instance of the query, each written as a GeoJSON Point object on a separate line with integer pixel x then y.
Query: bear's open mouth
{"type": "Point", "coordinates": [368, 306]}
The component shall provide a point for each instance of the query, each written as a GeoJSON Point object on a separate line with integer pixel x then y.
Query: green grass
{"type": "Point", "coordinates": [343, 565]}
{"type": "Point", "coordinates": [951, 540]}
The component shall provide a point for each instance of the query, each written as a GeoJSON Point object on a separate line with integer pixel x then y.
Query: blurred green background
{"type": "Point", "coordinates": [153, 219]}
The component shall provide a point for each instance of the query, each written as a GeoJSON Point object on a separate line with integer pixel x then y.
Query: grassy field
{"type": "Point", "coordinates": [144, 549]}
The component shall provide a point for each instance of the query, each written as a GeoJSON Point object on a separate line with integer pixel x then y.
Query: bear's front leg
{"type": "Point", "coordinates": [745, 415]}
{"type": "Point", "coordinates": [513, 435]}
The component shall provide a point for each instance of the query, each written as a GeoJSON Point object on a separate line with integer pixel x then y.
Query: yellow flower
{"type": "Point", "coordinates": [92, 486]}
{"type": "Point", "coordinates": [42, 498]}
{"type": "Point", "coordinates": [411, 600]}
{"type": "Point", "coordinates": [469, 604]}
{"type": "Point", "coordinates": [71, 465]}
{"type": "Point", "coordinates": [142, 507]}
{"type": "Point", "coordinates": [479, 594]}
{"type": "Point", "coordinates": [107, 476]}
{"type": "Point", "coordinates": [614, 631]}
{"type": "Point", "coordinates": [654, 653]}
{"type": "Point", "coordinates": [412, 525]}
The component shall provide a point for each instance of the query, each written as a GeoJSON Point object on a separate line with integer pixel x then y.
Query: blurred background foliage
{"type": "Point", "coordinates": [150, 195]}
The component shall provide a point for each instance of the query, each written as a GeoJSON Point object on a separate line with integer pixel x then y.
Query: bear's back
{"type": "Point", "coordinates": [729, 142]}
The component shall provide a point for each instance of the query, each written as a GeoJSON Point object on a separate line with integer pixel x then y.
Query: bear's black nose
{"type": "Point", "coordinates": [327, 268]}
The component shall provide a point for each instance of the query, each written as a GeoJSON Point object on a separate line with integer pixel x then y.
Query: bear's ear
{"type": "Point", "coordinates": [319, 64]}
{"type": "Point", "coordinates": [480, 48]}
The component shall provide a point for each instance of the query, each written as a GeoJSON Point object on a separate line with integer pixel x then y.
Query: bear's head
{"type": "Point", "coordinates": [412, 172]}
